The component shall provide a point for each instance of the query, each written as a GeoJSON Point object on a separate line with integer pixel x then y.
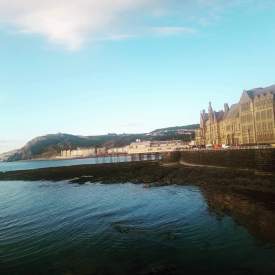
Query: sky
{"type": "Point", "coordinates": [91, 67]}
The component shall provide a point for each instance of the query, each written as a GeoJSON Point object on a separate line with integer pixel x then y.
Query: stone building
{"type": "Point", "coordinates": [251, 121]}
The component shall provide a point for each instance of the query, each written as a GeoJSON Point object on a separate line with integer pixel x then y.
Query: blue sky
{"type": "Point", "coordinates": [88, 68]}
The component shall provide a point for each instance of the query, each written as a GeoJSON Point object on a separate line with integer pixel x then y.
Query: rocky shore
{"type": "Point", "coordinates": [153, 173]}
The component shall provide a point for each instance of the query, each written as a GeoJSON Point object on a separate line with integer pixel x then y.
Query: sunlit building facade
{"type": "Point", "coordinates": [251, 121]}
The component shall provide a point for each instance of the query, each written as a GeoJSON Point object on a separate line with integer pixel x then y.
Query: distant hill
{"type": "Point", "coordinates": [177, 130]}
{"type": "Point", "coordinates": [50, 146]}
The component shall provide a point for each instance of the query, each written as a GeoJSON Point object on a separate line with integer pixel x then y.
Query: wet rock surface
{"type": "Point", "coordinates": [153, 174]}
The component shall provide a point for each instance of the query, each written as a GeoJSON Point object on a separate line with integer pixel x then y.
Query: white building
{"type": "Point", "coordinates": [78, 153]}
{"type": "Point", "coordinates": [118, 150]}
{"type": "Point", "coordinates": [144, 147]}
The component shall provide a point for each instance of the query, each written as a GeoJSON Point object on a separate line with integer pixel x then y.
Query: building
{"type": "Point", "coordinates": [250, 121]}
{"type": "Point", "coordinates": [78, 153]}
{"type": "Point", "coordinates": [83, 152]}
{"type": "Point", "coordinates": [118, 150]}
{"type": "Point", "coordinates": [101, 151]}
{"type": "Point", "coordinates": [147, 147]}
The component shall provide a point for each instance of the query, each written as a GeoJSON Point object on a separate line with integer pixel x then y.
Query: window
{"type": "Point", "coordinates": [263, 115]}
{"type": "Point", "coordinates": [269, 113]}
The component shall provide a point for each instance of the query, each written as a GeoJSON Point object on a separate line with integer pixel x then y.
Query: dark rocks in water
{"type": "Point", "coordinates": [170, 236]}
{"type": "Point", "coordinates": [123, 229]}
{"type": "Point", "coordinates": [152, 174]}
{"type": "Point", "coordinates": [82, 180]}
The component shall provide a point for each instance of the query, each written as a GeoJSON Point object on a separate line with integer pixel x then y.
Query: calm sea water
{"type": "Point", "coordinates": [58, 228]}
{"type": "Point", "coordinates": [26, 165]}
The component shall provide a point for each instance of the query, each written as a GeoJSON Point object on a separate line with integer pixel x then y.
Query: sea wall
{"type": "Point", "coordinates": [258, 159]}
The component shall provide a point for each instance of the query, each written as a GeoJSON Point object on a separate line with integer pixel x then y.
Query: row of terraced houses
{"type": "Point", "coordinates": [250, 121]}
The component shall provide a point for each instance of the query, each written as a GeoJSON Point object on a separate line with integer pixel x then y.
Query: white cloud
{"type": "Point", "coordinates": [70, 23]}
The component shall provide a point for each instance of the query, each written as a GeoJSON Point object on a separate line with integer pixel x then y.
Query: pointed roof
{"type": "Point", "coordinates": [204, 116]}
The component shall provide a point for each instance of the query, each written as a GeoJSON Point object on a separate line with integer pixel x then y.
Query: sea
{"type": "Point", "coordinates": [60, 228]}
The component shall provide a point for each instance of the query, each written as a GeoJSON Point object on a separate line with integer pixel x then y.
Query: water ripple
{"type": "Point", "coordinates": [59, 226]}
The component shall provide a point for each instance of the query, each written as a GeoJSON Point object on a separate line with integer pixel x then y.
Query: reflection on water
{"type": "Point", "coordinates": [255, 212]}
{"type": "Point", "coordinates": [58, 228]}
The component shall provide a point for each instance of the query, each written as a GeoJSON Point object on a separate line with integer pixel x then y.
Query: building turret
{"type": "Point", "coordinates": [202, 119]}
{"type": "Point", "coordinates": [226, 108]}
{"type": "Point", "coordinates": [210, 112]}
{"type": "Point", "coordinates": [210, 109]}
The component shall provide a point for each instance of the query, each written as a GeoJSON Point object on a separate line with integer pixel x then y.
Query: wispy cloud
{"type": "Point", "coordinates": [71, 23]}
{"type": "Point", "coordinates": [168, 31]}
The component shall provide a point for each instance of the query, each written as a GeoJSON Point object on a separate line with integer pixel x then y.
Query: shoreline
{"type": "Point", "coordinates": [151, 173]}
